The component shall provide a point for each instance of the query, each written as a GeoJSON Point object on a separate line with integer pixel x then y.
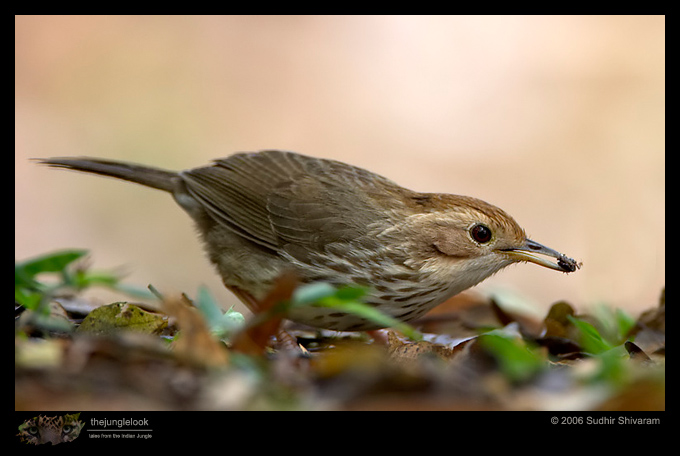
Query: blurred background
{"type": "Point", "coordinates": [558, 120]}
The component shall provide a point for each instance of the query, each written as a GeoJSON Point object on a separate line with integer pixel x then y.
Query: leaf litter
{"type": "Point", "coordinates": [468, 354]}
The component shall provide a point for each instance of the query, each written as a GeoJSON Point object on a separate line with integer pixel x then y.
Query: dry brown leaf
{"type": "Point", "coordinates": [195, 343]}
{"type": "Point", "coordinates": [256, 337]}
{"type": "Point", "coordinates": [650, 329]}
{"type": "Point", "coordinates": [404, 350]}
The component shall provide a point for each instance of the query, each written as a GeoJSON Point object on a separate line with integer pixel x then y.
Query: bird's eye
{"type": "Point", "coordinates": [480, 233]}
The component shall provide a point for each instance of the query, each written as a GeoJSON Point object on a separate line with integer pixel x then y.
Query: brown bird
{"type": "Point", "coordinates": [264, 213]}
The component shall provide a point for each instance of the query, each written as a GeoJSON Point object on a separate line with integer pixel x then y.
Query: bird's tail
{"type": "Point", "coordinates": [144, 175]}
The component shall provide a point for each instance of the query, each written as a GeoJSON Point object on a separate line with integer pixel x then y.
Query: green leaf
{"type": "Point", "coordinates": [371, 313]}
{"type": "Point", "coordinates": [347, 299]}
{"type": "Point", "coordinates": [591, 340]}
{"type": "Point", "coordinates": [27, 298]}
{"type": "Point", "coordinates": [517, 360]}
{"type": "Point", "coordinates": [624, 322]}
{"type": "Point", "coordinates": [36, 294]}
{"type": "Point", "coordinates": [351, 293]}
{"type": "Point", "coordinates": [51, 262]}
{"type": "Point", "coordinates": [222, 324]}
{"type": "Point", "coordinates": [309, 294]}
{"type": "Point", "coordinates": [83, 279]}
{"type": "Point", "coordinates": [612, 324]}
{"type": "Point", "coordinates": [134, 290]}
{"type": "Point", "coordinates": [206, 304]}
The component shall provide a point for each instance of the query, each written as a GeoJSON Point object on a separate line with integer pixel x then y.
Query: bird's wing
{"type": "Point", "coordinates": [279, 199]}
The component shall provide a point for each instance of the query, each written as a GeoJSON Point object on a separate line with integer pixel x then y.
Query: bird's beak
{"type": "Point", "coordinates": [530, 251]}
